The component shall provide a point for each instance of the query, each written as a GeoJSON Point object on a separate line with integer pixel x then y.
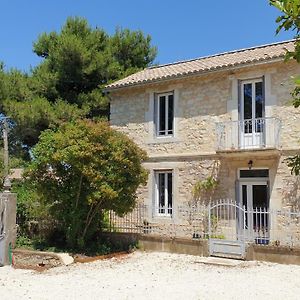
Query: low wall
{"type": "Point", "coordinates": [275, 254]}
{"type": "Point", "coordinates": [173, 245]}
{"type": "Point", "coordinates": [120, 240]}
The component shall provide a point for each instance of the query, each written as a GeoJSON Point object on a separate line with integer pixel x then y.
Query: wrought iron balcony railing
{"type": "Point", "coordinates": [257, 133]}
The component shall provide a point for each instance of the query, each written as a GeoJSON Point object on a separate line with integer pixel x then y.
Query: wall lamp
{"type": "Point", "coordinates": [250, 164]}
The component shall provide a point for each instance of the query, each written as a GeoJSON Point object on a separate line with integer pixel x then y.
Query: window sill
{"type": "Point", "coordinates": [162, 219]}
{"type": "Point", "coordinates": [163, 140]}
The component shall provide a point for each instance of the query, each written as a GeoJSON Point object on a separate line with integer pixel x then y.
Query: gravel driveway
{"type": "Point", "coordinates": [153, 276]}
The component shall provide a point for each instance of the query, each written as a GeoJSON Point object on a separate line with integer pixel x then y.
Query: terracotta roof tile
{"type": "Point", "coordinates": [205, 64]}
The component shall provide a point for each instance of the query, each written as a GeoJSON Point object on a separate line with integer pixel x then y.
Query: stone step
{"type": "Point", "coordinates": [218, 261]}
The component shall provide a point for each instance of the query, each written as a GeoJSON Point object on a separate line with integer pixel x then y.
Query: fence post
{"type": "Point", "coordinates": [209, 221]}
{"type": "Point", "coordinates": [244, 222]}
{"type": "Point", "coordinates": [109, 213]}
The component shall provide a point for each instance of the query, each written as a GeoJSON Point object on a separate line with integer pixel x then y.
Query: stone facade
{"type": "Point", "coordinates": [199, 103]}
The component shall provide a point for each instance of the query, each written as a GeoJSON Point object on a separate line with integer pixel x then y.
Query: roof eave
{"type": "Point", "coordinates": [194, 74]}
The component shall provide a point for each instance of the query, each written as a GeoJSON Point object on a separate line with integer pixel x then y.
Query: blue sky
{"type": "Point", "coordinates": [180, 29]}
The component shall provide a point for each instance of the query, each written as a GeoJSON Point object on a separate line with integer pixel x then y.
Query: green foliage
{"type": "Point", "coordinates": [80, 60]}
{"type": "Point", "coordinates": [32, 212]}
{"type": "Point", "coordinates": [132, 50]}
{"type": "Point", "coordinates": [33, 116]}
{"type": "Point", "coordinates": [290, 20]}
{"type": "Point", "coordinates": [24, 242]}
{"type": "Point", "coordinates": [203, 187]}
{"type": "Point", "coordinates": [77, 62]}
{"type": "Point", "coordinates": [82, 169]}
{"type": "Point", "coordinates": [294, 163]}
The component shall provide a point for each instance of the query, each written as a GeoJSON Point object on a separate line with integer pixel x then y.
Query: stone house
{"type": "Point", "coordinates": [226, 116]}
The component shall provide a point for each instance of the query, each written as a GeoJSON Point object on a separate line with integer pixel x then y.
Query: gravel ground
{"type": "Point", "coordinates": [153, 276]}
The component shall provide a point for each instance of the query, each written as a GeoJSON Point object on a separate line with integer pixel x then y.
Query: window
{"type": "Point", "coordinates": [164, 114]}
{"type": "Point", "coordinates": [163, 193]}
{"type": "Point", "coordinates": [263, 173]}
{"type": "Point", "coordinates": [253, 105]}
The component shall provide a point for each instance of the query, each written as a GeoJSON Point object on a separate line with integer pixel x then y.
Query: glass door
{"type": "Point", "coordinates": [252, 122]}
{"type": "Point", "coordinates": [254, 197]}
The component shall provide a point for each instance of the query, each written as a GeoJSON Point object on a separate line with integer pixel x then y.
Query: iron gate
{"type": "Point", "coordinates": [227, 229]}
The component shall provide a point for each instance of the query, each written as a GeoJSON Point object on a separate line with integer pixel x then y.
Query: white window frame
{"type": "Point", "coordinates": [164, 211]}
{"type": "Point", "coordinates": [253, 110]}
{"type": "Point", "coordinates": [168, 132]}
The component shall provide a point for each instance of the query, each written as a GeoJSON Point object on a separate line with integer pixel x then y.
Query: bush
{"type": "Point", "coordinates": [83, 169]}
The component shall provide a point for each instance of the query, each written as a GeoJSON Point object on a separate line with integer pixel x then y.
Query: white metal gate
{"type": "Point", "coordinates": [227, 229]}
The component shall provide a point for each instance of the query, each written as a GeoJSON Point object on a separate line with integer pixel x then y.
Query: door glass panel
{"type": "Point", "coordinates": [162, 115]}
{"type": "Point", "coordinates": [254, 173]}
{"type": "Point", "coordinates": [244, 199]}
{"type": "Point", "coordinates": [260, 205]}
{"type": "Point", "coordinates": [258, 100]}
{"type": "Point", "coordinates": [170, 194]}
{"type": "Point", "coordinates": [170, 114]}
{"type": "Point", "coordinates": [161, 192]}
{"type": "Point", "coordinates": [260, 196]}
{"type": "Point", "coordinates": [259, 124]}
{"type": "Point", "coordinates": [248, 107]}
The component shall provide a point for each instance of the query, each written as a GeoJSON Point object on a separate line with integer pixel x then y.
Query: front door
{"type": "Point", "coordinates": [254, 197]}
{"type": "Point", "coordinates": [252, 113]}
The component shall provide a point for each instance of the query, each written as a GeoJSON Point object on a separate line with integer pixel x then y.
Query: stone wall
{"type": "Point", "coordinates": [201, 102]}
{"type": "Point", "coordinates": [284, 192]}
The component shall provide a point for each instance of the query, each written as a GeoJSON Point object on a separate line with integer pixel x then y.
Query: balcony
{"type": "Point", "coordinates": [252, 134]}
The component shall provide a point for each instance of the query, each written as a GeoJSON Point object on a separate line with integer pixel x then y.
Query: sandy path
{"type": "Point", "coordinates": [153, 276]}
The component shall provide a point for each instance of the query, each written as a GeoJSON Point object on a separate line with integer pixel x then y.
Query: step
{"type": "Point", "coordinates": [217, 261]}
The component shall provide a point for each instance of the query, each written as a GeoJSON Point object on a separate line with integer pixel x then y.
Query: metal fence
{"type": "Point", "coordinates": [131, 222]}
{"type": "Point", "coordinates": [227, 221]}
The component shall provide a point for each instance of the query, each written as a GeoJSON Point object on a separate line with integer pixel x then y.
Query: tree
{"type": "Point", "coordinates": [290, 20]}
{"type": "Point", "coordinates": [67, 85]}
{"type": "Point", "coordinates": [80, 60]}
{"type": "Point", "coordinates": [82, 169]}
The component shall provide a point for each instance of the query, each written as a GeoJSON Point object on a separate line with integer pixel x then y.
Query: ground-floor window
{"type": "Point", "coordinates": [163, 192]}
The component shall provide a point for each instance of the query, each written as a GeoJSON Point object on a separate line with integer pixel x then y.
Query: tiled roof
{"type": "Point", "coordinates": [206, 64]}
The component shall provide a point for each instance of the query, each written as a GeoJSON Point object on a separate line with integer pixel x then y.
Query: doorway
{"type": "Point", "coordinates": [254, 197]}
{"type": "Point", "coordinates": [252, 114]}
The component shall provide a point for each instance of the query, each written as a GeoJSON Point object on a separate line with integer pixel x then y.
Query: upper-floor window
{"type": "Point", "coordinates": [164, 114]}
{"type": "Point", "coordinates": [252, 105]}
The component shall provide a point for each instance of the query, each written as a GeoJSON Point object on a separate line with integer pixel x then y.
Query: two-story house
{"type": "Point", "coordinates": [226, 116]}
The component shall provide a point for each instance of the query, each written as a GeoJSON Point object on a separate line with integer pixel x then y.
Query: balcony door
{"type": "Point", "coordinates": [252, 113]}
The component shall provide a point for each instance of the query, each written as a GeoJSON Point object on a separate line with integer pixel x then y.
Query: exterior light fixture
{"type": "Point", "coordinates": [250, 164]}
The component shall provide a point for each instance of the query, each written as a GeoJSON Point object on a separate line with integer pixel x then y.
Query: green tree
{"type": "Point", "coordinates": [80, 60]}
{"type": "Point", "coordinates": [82, 169]}
{"type": "Point", "coordinates": [290, 20]}
{"type": "Point", "coordinates": [67, 85]}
